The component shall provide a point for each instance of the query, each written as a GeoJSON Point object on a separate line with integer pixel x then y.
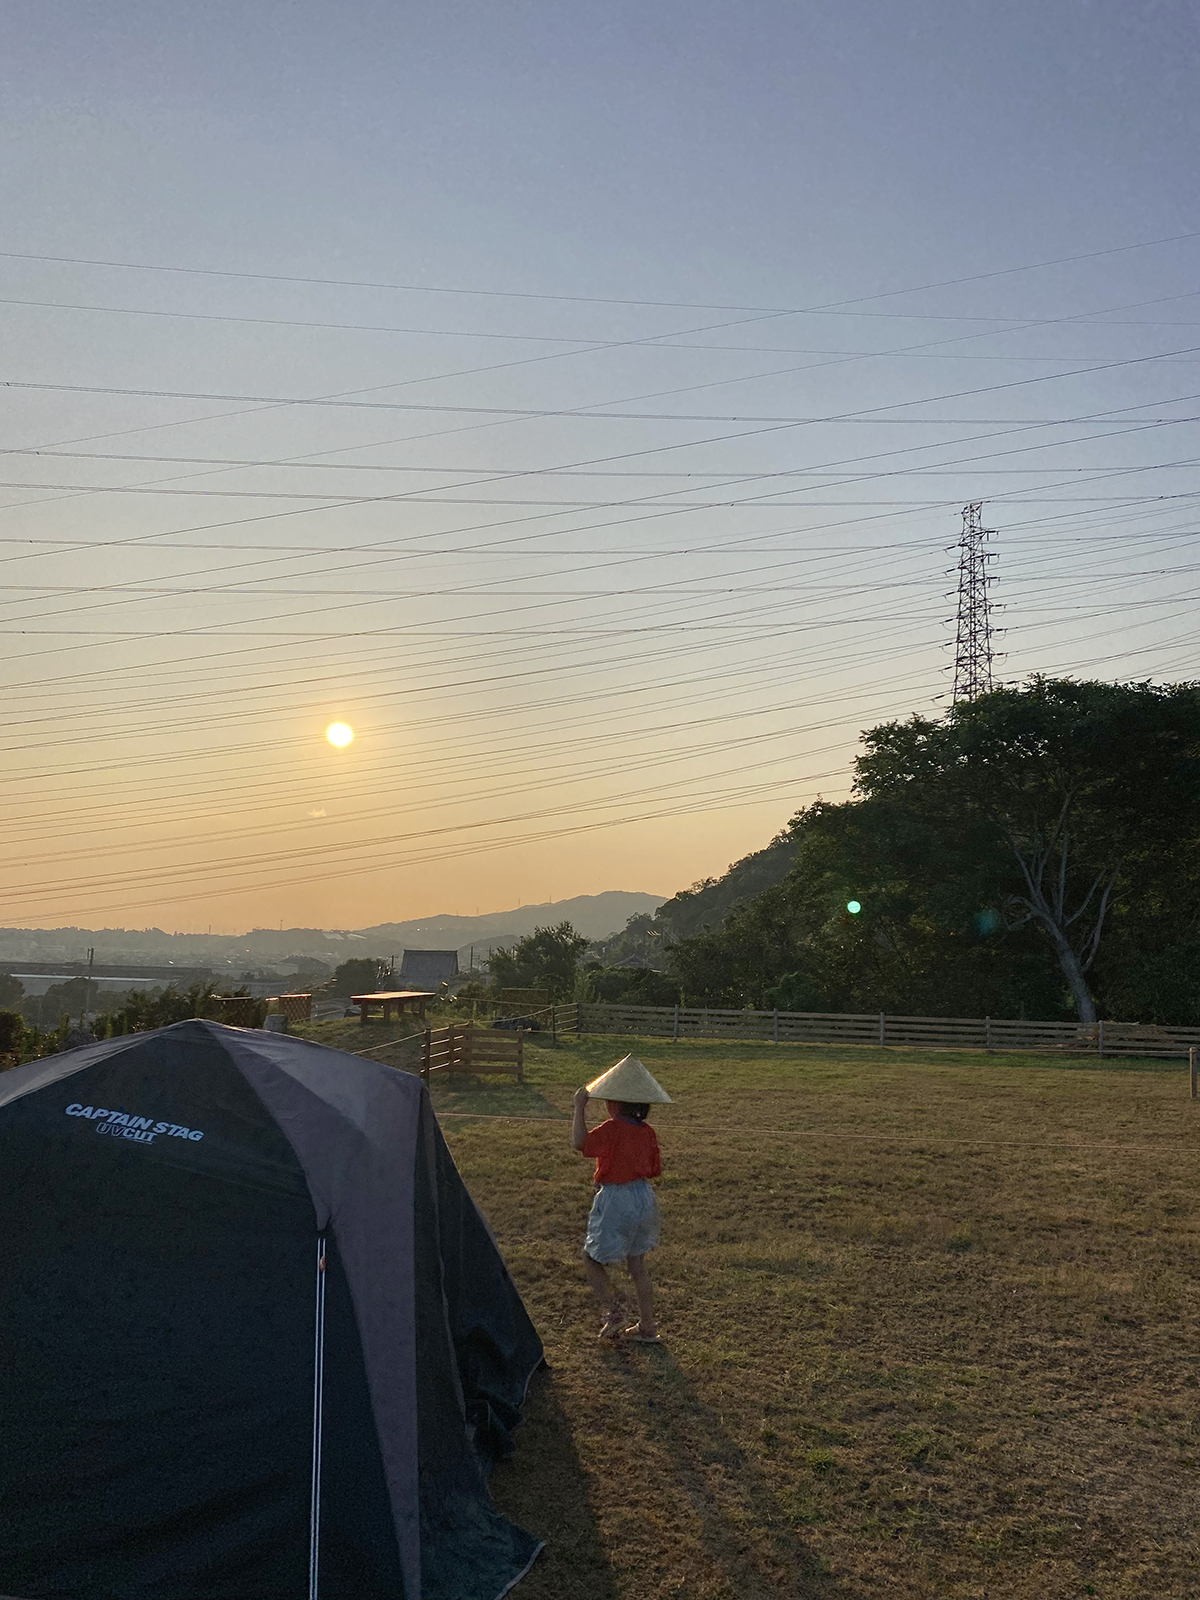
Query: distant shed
{"type": "Point", "coordinates": [425, 969]}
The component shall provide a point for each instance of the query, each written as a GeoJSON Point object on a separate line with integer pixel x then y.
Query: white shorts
{"type": "Point", "coordinates": [623, 1222]}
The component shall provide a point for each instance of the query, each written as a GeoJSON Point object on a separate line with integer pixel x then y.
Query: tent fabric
{"type": "Point", "coordinates": [166, 1199]}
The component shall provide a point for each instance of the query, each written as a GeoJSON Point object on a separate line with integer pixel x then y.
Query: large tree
{"type": "Point", "coordinates": [1061, 819]}
{"type": "Point", "coordinates": [545, 959]}
{"type": "Point", "coordinates": [924, 939]}
{"type": "Point", "coordinates": [1081, 794]}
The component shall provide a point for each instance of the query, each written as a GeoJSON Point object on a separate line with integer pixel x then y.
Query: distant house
{"type": "Point", "coordinates": [425, 969]}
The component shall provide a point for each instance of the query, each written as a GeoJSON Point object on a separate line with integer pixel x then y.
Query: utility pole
{"type": "Point", "coordinates": [87, 989]}
{"type": "Point", "coordinates": [973, 653]}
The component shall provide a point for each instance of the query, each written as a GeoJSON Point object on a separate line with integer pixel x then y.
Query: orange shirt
{"type": "Point", "coordinates": [624, 1150]}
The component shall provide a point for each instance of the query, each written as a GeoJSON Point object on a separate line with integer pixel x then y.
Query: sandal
{"type": "Point", "coordinates": [610, 1328]}
{"type": "Point", "coordinates": [635, 1333]}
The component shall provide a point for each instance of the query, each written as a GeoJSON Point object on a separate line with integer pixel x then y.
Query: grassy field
{"type": "Point", "coordinates": [348, 1033]}
{"type": "Point", "coordinates": [930, 1328]}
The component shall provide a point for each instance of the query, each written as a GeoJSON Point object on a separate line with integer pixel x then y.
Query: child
{"type": "Point", "coordinates": [623, 1222]}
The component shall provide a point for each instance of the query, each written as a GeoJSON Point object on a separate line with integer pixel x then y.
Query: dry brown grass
{"type": "Point", "coordinates": [930, 1323]}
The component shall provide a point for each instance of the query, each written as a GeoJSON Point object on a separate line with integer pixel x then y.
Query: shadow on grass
{"type": "Point", "coordinates": [545, 1489]}
{"type": "Point", "coordinates": [747, 1535]}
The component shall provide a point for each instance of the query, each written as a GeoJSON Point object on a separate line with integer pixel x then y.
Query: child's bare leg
{"type": "Point", "coordinates": [598, 1281]}
{"type": "Point", "coordinates": [636, 1267]}
{"type": "Point", "coordinates": [606, 1297]}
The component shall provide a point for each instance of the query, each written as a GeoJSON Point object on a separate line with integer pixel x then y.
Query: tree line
{"type": "Point", "coordinates": [1035, 852]}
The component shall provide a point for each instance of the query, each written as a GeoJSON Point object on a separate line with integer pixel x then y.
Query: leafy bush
{"type": "Point", "coordinates": [633, 986]}
{"type": "Point", "coordinates": [359, 975]}
{"type": "Point", "coordinates": [795, 991]}
{"type": "Point", "coordinates": [469, 995]}
{"type": "Point", "coordinates": [69, 996]}
{"type": "Point", "coordinates": [143, 1009]}
{"type": "Point", "coordinates": [12, 1038]}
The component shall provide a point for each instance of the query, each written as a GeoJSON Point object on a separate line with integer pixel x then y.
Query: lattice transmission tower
{"type": "Point", "coordinates": [973, 649]}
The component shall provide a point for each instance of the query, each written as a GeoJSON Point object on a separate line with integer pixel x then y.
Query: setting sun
{"type": "Point", "coordinates": [339, 733]}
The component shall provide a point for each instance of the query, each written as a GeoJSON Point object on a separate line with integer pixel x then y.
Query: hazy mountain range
{"type": "Point", "coordinates": [594, 915]}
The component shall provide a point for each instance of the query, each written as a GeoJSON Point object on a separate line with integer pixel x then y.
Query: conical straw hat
{"type": "Point", "coordinates": [628, 1081]}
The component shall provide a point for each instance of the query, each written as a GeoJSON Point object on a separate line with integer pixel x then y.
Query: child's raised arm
{"type": "Point", "coordinates": [579, 1124]}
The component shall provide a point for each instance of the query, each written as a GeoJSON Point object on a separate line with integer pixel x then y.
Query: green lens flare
{"type": "Point", "coordinates": [853, 907]}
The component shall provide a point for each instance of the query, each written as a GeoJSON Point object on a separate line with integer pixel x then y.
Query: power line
{"type": "Point", "coordinates": [346, 395]}
{"type": "Point", "coordinates": [563, 706]}
{"type": "Point", "coordinates": [542, 726]}
{"type": "Point", "coordinates": [591, 762]}
{"type": "Point", "coordinates": [303, 464]}
{"type": "Point", "coordinates": [642, 500]}
{"type": "Point", "coordinates": [671, 305]}
{"type": "Point", "coordinates": [275, 633]}
{"type": "Point", "coordinates": [593, 414]}
{"type": "Point", "coordinates": [658, 341]}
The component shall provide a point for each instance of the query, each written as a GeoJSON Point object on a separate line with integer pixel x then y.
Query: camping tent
{"type": "Point", "coordinates": [256, 1341]}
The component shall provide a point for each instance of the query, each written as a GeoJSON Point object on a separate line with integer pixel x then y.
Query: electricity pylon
{"type": "Point", "coordinates": [973, 653]}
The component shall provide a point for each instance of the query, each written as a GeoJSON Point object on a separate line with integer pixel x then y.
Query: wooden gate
{"type": "Point", "coordinates": [462, 1047]}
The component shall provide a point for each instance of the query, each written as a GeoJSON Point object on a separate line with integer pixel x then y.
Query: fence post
{"type": "Point", "coordinates": [579, 1018]}
{"type": "Point", "coordinates": [776, 1024]}
{"type": "Point", "coordinates": [1100, 1035]}
{"type": "Point", "coordinates": [425, 1051]}
{"type": "Point", "coordinates": [553, 1024]}
{"type": "Point", "coordinates": [882, 1028]}
{"type": "Point", "coordinates": [675, 1029]}
{"type": "Point", "coordinates": [1192, 1070]}
{"type": "Point", "coordinates": [704, 1023]}
{"type": "Point", "coordinates": [987, 1033]}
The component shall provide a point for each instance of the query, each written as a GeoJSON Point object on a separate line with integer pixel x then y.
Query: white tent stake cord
{"type": "Point", "coordinates": [314, 1539]}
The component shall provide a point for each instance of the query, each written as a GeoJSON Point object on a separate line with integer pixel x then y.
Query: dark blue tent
{"type": "Point", "coordinates": [256, 1341]}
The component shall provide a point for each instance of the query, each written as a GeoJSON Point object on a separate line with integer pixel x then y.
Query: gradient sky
{"type": "Point", "coordinates": [691, 329]}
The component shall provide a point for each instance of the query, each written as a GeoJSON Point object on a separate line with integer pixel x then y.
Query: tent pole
{"type": "Point", "coordinates": [314, 1537]}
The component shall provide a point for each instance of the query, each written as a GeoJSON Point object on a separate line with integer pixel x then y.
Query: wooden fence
{"type": "Point", "coordinates": [462, 1047]}
{"type": "Point", "coordinates": [878, 1028]}
{"type": "Point", "coordinates": [295, 1007]}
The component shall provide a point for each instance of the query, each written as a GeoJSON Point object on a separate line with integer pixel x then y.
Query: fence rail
{"type": "Point", "coordinates": [879, 1028]}
{"type": "Point", "coordinates": [464, 1048]}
